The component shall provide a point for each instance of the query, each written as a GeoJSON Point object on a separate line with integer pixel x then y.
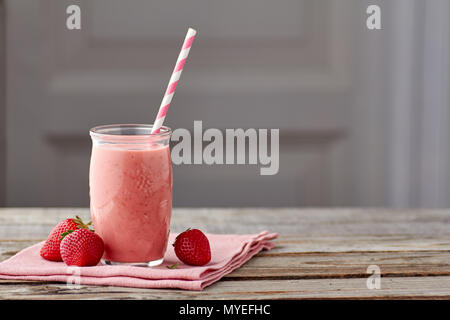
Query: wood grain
{"type": "Point", "coordinates": [321, 253]}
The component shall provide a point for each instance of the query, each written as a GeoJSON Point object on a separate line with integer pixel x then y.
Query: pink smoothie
{"type": "Point", "coordinates": [131, 201]}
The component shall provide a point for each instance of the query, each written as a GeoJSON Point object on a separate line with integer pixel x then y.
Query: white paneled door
{"type": "Point", "coordinates": [255, 64]}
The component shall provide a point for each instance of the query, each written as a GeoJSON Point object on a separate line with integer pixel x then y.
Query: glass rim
{"type": "Point", "coordinates": [104, 131]}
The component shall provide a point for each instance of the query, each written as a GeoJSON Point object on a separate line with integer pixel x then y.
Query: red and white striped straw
{"type": "Point", "coordinates": [182, 57]}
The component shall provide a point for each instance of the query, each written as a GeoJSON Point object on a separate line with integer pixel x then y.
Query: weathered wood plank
{"type": "Point", "coordinates": [37, 222]}
{"type": "Point", "coordinates": [391, 288]}
{"type": "Point", "coordinates": [343, 265]}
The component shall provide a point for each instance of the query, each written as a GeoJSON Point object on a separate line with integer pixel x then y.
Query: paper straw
{"type": "Point", "coordinates": [170, 91]}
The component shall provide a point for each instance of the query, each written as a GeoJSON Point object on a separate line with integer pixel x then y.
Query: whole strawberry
{"type": "Point", "coordinates": [81, 248]}
{"type": "Point", "coordinates": [192, 247]}
{"type": "Point", "coordinates": [50, 249]}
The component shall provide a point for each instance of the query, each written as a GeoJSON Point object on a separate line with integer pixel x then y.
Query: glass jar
{"type": "Point", "coordinates": [130, 181]}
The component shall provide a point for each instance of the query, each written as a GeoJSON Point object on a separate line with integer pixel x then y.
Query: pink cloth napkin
{"type": "Point", "coordinates": [228, 252]}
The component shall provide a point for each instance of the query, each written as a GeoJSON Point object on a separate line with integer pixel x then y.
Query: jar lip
{"type": "Point", "coordinates": [128, 130]}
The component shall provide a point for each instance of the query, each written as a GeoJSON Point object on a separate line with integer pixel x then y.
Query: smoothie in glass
{"type": "Point", "coordinates": [131, 192]}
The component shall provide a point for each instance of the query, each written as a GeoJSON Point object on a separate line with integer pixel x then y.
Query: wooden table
{"type": "Point", "coordinates": [321, 253]}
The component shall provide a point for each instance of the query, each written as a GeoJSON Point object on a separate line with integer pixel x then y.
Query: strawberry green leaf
{"type": "Point", "coordinates": [65, 234]}
{"type": "Point", "coordinates": [174, 266]}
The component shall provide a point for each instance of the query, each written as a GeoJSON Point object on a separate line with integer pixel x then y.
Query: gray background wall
{"type": "Point", "coordinates": [2, 106]}
{"type": "Point", "coordinates": [363, 115]}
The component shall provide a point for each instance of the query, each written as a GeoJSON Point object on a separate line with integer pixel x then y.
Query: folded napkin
{"type": "Point", "coordinates": [228, 252]}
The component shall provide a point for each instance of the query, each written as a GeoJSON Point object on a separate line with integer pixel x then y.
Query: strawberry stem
{"type": "Point", "coordinates": [81, 224]}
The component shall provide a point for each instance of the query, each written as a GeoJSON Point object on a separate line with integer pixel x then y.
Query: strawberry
{"type": "Point", "coordinates": [192, 247]}
{"type": "Point", "coordinates": [81, 247]}
{"type": "Point", "coordinates": [50, 249]}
